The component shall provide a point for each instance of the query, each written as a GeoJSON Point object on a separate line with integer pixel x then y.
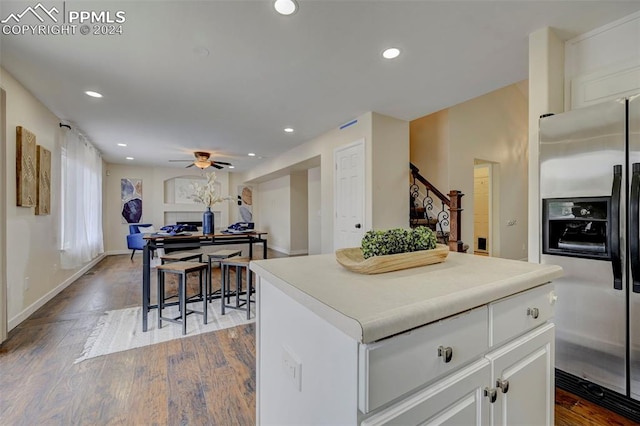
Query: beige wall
{"type": "Point", "coordinates": [390, 172]}
{"type": "Point", "coordinates": [426, 151]}
{"type": "Point", "coordinates": [315, 210]}
{"type": "Point", "coordinates": [32, 241]}
{"type": "Point", "coordinates": [386, 172]}
{"type": "Point", "coordinates": [3, 219]}
{"type": "Point", "coordinates": [481, 196]}
{"type": "Point", "coordinates": [323, 147]}
{"type": "Point", "coordinates": [153, 200]}
{"type": "Point", "coordinates": [492, 128]}
{"type": "Point", "coordinates": [299, 213]}
{"type": "Point", "coordinates": [275, 209]}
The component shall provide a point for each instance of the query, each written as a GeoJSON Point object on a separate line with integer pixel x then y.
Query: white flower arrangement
{"type": "Point", "coordinates": [207, 194]}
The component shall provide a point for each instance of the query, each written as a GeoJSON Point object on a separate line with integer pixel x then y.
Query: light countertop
{"type": "Point", "coordinates": [372, 307]}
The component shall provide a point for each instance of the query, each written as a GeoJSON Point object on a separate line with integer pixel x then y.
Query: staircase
{"type": "Point", "coordinates": [442, 214]}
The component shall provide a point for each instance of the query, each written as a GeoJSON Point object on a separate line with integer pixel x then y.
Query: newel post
{"type": "Point", "coordinates": [455, 227]}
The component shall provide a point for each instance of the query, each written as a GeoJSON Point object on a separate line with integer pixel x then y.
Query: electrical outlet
{"type": "Point", "coordinates": [292, 368]}
{"type": "Point", "coordinates": [26, 283]}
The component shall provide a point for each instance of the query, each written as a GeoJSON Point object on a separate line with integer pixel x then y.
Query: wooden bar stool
{"type": "Point", "coordinates": [239, 263]}
{"type": "Point", "coordinates": [181, 256]}
{"type": "Point", "coordinates": [217, 256]}
{"type": "Point", "coordinates": [181, 269]}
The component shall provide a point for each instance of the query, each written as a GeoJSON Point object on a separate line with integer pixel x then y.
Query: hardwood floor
{"type": "Point", "coordinates": [208, 379]}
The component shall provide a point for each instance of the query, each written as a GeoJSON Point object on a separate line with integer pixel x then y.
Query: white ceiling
{"type": "Point", "coordinates": [313, 71]}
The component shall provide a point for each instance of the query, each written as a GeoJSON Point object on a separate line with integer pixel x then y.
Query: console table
{"type": "Point", "coordinates": [154, 241]}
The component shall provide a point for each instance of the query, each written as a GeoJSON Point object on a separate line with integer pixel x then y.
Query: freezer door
{"type": "Point", "coordinates": [579, 152]}
{"type": "Point", "coordinates": [634, 245]}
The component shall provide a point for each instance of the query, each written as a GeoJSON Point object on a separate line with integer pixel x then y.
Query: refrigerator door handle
{"type": "Point", "coordinates": [614, 238]}
{"type": "Point", "coordinates": [634, 232]}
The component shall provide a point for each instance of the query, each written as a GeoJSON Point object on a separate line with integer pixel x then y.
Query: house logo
{"type": "Point", "coordinates": [58, 19]}
{"type": "Point", "coordinates": [39, 11]}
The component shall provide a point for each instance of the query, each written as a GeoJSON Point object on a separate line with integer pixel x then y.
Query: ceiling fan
{"type": "Point", "coordinates": [202, 161]}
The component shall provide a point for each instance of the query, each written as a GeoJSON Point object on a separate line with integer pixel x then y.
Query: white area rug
{"type": "Point", "coordinates": [121, 329]}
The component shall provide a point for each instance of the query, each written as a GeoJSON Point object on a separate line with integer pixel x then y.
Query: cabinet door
{"type": "Point", "coordinates": [524, 380]}
{"type": "Point", "coordinates": [458, 399]}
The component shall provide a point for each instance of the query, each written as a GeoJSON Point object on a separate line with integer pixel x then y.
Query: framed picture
{"type": "Point", "coordinates": [131, 200]}
{"type": "Point", "coordinates": [43, 187]}
{"type": "Point", "coordinates": [245, 203]}
{"type": "Point", "coordinates": [26, 178]}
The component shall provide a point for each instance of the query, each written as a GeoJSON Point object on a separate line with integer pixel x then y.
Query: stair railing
{"type": "Point", "coordinates": [448, 215]}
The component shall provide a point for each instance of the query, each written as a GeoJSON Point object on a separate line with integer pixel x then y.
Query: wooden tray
{"type": "Point", "coordinates": [352, 259]}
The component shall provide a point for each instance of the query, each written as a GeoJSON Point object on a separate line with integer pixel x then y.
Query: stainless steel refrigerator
{"type": "Point", "coordinates": [590, 191]}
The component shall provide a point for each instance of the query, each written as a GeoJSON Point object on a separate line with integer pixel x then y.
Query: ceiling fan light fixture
{"type": "Point", "coordinates": [202, 164]}
{"type": "Point", "coordinates": [285, 7]}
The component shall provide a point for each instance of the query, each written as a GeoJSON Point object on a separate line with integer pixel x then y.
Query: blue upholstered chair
{"type": "Point", "coordinates": [134, 239]}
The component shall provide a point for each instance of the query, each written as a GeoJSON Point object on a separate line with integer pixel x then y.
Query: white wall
{"type": "Point", "coordinates": [275, 209]}
{"type": "Point", "coordinates": [32, 241]}
{"type": "Point", "coordinates": [153, 200]}
{"type": "Point", "coordinates": [314, 210]}
{"type": "Point", "coordinates": [299, 213]}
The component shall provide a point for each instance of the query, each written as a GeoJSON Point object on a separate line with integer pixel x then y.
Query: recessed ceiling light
{"type": "Point", "coordinates": [251, 154]}
{"type": "Point", "coordinates": [391, 53]}
{"type": "Point", "coordinates": [232, 167]}
{"type": "Point", "coordinates": [93, 94]}
{"type": "Point", "coordinates": [129, 158]}
{"type": "Point", "coordinates": [285, 7]}
{"type": "Point", "coordinates": [288, 129]}
{"type": "Point", "coordinates": [122, 144]}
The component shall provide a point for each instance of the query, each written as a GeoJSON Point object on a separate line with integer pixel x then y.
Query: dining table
{"type": "Point", "coordinates": [160, 240]}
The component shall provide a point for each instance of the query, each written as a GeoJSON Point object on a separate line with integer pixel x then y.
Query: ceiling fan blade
{"type": "Point", "coordinates": [223, 163]}
{"type": "Point", "coordinates": [190, 165]}
{"type": "Point", "coordinates": [175, 161]}
{"type": "Point", "coordinates": [216, 166]}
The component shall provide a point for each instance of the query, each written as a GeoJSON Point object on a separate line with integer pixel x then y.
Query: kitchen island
{"type": "Point", "coordinates": [469, 340]}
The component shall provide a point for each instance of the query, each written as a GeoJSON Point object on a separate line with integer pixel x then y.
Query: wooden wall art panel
{"type": "Point", "coordinates": [26, 177]}
{"type": "Point", "coordinates": [43, 195]}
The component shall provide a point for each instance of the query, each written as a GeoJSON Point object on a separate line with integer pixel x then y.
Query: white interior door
{"type": "Point", "coordinates": [349, 195]}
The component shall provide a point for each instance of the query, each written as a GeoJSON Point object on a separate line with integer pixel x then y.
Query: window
{"type": "Point", "coordinates": [81, 237]}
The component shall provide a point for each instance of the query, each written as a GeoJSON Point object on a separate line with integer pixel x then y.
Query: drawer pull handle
{"type": "Point", "coordinates": [503, 385]}
{"type": "Point", "coordinates": [491, 393]}
{"type": "Point", "coordinates": [445, 353]}
{"type": "Point", "coordinates": [533, 312]}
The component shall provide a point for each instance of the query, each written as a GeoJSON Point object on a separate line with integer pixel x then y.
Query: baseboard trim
{"type": "Point", "coordinates": [116, 252]}
{"type": "Point", "coordinates": [298, 252]}
{"type": "Point", "coordinates": [279, 249]}
{"type": "Point", "coordinates": [15, 321]}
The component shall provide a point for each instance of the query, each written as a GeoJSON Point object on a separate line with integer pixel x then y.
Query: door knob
{"type": "Point", "coordinates": [358, 226]}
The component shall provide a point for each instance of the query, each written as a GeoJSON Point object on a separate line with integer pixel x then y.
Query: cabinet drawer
{"type": "Point", "coordinates": [400, 364]}
{"type": "Point", "coordinates": [515, 315]}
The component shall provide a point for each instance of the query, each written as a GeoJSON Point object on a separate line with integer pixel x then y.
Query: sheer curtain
{"type": "Point", "coordinates": [81, 206]}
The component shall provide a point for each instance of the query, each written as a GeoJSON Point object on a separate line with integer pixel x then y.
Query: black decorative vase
{"type": "Point", "coordinates": [207, 222]}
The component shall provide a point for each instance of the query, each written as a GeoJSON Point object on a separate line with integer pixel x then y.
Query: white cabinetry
{"type": "Point", "coordinates": [491, 365]}
{"type": "Point", "coordinates": [522, 373]}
